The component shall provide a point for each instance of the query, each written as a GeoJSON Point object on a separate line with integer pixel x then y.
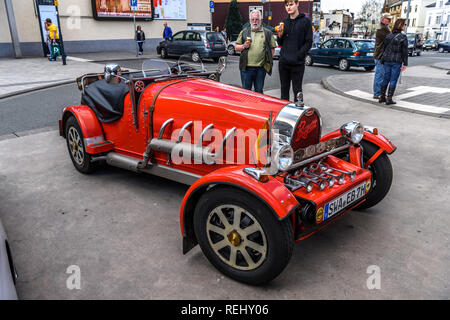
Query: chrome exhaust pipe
{"type": "Point", "coordinates": [320, 183]}
{"type": "Point", "coordinates": [327, 168]}
{"type": "Point", "coordinates": [330, 180]}
{"type": "Point", "coordinates": [297, 183]}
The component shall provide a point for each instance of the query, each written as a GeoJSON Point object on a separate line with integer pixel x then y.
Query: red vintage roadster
{"type": "Point", "coordinates": [261, 174]}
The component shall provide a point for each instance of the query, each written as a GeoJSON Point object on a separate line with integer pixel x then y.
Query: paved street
{"type": "Point", "coordinates": [122, 229]}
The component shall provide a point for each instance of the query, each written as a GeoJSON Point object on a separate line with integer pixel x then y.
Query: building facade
{"type": "Point", "coordinates": [273, 10]}
{"type": "Point", "coordinates": [83, 33]}
{"type": "Point", "coordinates": [337, 23]}
{"type": "Point", "coordinates": [417, 14]}
{"type": "Point", "coordinates": [394, 8]}
{"type": "Point", "coordinates": [437, 21]}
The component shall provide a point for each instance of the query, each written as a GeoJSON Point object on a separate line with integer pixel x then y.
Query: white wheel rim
{"type": "Point", "coordinates": [308, 60]}
{"type": "Point", "coordinates": [230, 51]}
{"type": "Point", "coordinates": [343, 64]}
{"type": "Point", "coordinates": [195, 57]}
{"type": "Point", "coordinates": [242, 243]}
{"type": "Point", "coordinates": [75, 146]}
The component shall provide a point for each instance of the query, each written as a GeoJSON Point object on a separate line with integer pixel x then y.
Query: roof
{"type": "Point", "coordinates": [431, 5]}
{"type": "Point", "coordinates": [348, 38]}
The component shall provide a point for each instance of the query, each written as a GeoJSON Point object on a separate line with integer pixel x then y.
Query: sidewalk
{"type": "Point", "coordinates": [421, 89]}
{"type": "Point", "coordinates": [28, 74]}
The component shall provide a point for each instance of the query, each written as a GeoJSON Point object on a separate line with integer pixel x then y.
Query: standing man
{"type": "Point", "coordinates": [167, 33]}
{"type": "Point", "coordinates": [257, 46]}
{"type": "Point", "coordinates": [381, 34]}
{"type": "Point", "coordinates": [53, 37]}
{"type": "Point", "coordinates": [295, 38]}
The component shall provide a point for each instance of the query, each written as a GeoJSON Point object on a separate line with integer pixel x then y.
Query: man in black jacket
{"type": "Point", "coordinates": [295, 38]}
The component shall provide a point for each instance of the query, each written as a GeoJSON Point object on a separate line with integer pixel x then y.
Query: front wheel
{"type": "Point", "coordinates": [344, 65]}
{"type": "Point", "coordinates": [441, 50]}
{"type": "Point", "coordinates": [164, 54]}
{"type": "Point", "coordinates": [241, 237]}
{"type": "Point", "coordinates": [77, 150]}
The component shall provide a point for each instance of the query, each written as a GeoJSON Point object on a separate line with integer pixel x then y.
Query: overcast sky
{"type": "Point", "coordinates": [353, 5]}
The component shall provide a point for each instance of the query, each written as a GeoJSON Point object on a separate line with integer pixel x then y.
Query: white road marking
{"type": "Point", "coordinates": [408, 105]}
{"type": "Point", "coordinates": [78, 59]}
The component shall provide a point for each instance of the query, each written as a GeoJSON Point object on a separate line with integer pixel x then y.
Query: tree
{"type": "Point", "coordinates": [233, 22]}
{"type": "Point", "coordinates": [370, 16]}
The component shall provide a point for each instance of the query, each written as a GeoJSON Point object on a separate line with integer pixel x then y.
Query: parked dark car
{"type": "Point", "coordinates": [199, 44]}
{"type": "Point", "coordinates": [344, 53]}
{"type": "Point", "coordinates": [430, 45]}
{"type": "Point", "coordinates": [444, 46]}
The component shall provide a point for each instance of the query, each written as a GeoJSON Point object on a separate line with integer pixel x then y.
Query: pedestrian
{"type": "Point", "coordinates": [167, 33]}
{"type": "Point", "coordinates": [257, 45]}
{"type": "Point", "coordinates": [295, 38]}
{"type": "Point", "coordinates": [394, 59]}
{"type": "Point", "coordinates": [224, 34]}
{"type": "Point", "coordinates": [53, 38]}
{"type": "Point", "coordinates": [380, 36]}
{"type": "Point", "coordinates": [316, 38]}
{"type": "Point", "coordinates": [140, 38]}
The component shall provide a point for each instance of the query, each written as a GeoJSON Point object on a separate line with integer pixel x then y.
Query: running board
{"type": "Point", "coordinates": [132, 164]}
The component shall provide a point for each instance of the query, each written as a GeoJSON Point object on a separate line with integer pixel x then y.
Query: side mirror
{"type": "Point", "coordinates": [111, 72]}
{"type": "Point", "coordinates": [222, 64]}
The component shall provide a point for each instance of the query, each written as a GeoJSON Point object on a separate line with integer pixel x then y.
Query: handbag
{"type": "Point", "coordinates": [56, 50]}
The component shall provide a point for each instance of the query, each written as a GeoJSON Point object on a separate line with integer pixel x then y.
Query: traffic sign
{"type": "Point", "coordinates": [133, 3]}
{"type": "Point", "coordinates": [211, 4]}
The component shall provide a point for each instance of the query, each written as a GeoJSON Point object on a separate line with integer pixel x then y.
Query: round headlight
{"type": "Point", "coordinates": [284, 157]}
{"type": "Point", "coordinates": [353, 132]}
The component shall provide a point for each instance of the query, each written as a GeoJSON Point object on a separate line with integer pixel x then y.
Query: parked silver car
{"type": "Point", "coordinates": [8, 274]}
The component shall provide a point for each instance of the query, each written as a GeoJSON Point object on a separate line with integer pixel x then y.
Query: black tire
{"type": "Point", "coordinates": [77, 150]}
{"type": "Point", "coordinates": [309, 60]}
{"type": "Point", "coordinates": [344, 65]}
{"type": "Point", "coordinates": [369, 68]}
{"type": "Point", "coordinates": [164, 53]}
{"type": "Point", "coordinates": [276, 237]}
{"type": "Point", "coordinates": [382, 174]}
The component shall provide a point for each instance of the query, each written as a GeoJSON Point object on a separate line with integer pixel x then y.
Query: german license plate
{"type": "Point", "coordinates": [370, 54]}
{"type": "Point", "coordinates": [338, 204]}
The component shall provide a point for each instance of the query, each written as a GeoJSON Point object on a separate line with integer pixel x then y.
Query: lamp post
{"type": "Point", "coordinates": [63, 53]}
{"type": "Point", "coordinates": [407, 16]}
{"type": "Point", "coordinates": [13, 29]}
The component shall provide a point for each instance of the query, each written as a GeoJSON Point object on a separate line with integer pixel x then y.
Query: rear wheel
{"type": "Point", "coordinates": [77, 150]}
{"type": "Point", "coordinates": [344, 65]}
{"type": "Point", "coordinates": [308, 60]}
{"type": "Point", "coordinates": [241, 237]}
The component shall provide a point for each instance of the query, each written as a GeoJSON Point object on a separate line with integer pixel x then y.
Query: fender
{"type": "Point", "coordinates": [272, 193]}
{"type": "Point", "coordinates": [89, 124]}
{"type": "Point", "coordinates": [379, 140]}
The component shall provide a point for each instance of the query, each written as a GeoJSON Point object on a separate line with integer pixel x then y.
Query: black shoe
{"type": "Point", "coordinates": [391, 92]}
{"type": "Point", "coordinates": [376, 97]}
{"type": "Point", "coordinates": [383, 94]}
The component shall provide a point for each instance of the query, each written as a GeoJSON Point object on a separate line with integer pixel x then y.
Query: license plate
{"type": "Point", "coordinates": [338, 204]}
{"type": "Point", "coordinates": [370, 54]}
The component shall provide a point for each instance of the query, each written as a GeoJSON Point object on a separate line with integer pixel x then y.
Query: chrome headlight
{"type": "Point", "coordinates": [284, 157]}
{"type": "Point", "coordinates": [353, 132]}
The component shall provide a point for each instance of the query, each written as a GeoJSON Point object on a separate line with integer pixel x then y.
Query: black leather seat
{"type": "Point", "coordinates": [105, 99]}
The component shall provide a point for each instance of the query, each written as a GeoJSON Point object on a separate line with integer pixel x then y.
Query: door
{"type": "Point", "coordinates": [175, 46]}
{"type": "Point", "coordinates": [337, 51]}
{"type": "Point", "coordinates": [322, 52]}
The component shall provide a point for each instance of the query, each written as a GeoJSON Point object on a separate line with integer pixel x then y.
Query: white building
{"type": "Point", "coordinates": [337, 23]}
{"type": "Point", "coordinates": [417, 14]}
{"type": "Point", "coordinates": [437, 22]}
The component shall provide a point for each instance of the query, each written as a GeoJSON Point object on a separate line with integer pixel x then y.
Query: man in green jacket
{"type": "Point", "coordinates": [256, 45]}
{"type": "Point", "coordinates": [381, 34]}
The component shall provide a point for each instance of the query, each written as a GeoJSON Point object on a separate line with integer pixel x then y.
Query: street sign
{"type": "Point", "coordinates": [133, 3]}
{"type": "Point", "coordinates": [211, 5]}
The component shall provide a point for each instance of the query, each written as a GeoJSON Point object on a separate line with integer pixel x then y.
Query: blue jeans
{"type": "Point", "coordinates": [253, 76]}
{"type": "Point", "coordinates": [378, 78]}
{"type": "Point", "coordinates": [391, 73]}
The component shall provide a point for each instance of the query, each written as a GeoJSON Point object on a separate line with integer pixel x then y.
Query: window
{"type": "Point", "coordinates": [429, 20]}
{"type": "Point", "coordinates": [178, 36]}
{"type": "Point", "coordinates": [438, 19]}
{"type": "Point", "coordinates": [415, 8]}
{"type": "Point", "coordinates": [339, 44]}
{"type": "Point", "coordinates": [441, 3]}
{"type": "Point", "coordinates": [190, 36]}
{"type": "Point", "coordinates": [348, 45]}
{"type": "Point", "coordinates": [414, 22]}
{"type": "Point", "coordinates": [327, 22]}
{"type": "Point", "coordinates": [327, 44]}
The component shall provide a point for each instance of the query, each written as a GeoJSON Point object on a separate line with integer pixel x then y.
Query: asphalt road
{"type": "Point", "coordinates": [42, 109]}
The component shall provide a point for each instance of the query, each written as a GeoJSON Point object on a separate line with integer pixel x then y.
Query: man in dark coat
{"type": "Point", "coordinates": [295, 38]}
{"type": "Point", "coordinates": [381, 34]}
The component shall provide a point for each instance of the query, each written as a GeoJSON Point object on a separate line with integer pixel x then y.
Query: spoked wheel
{"type": "Point", "coordinates": [231, 51]}
{"type": "Point", "coordinates": [308, 60]}
{"type": "Point", "coordinates": [241, 237]}
{"type": "Point", "coordinates": [382, 174]}
{"type": "Point", "coordinates": [77, 151]}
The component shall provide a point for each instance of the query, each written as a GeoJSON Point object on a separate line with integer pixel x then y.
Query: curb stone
{"type": "Point", "coordinates": [37, 88]}
{"type": "Point", "coordinates": [327, 85]}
